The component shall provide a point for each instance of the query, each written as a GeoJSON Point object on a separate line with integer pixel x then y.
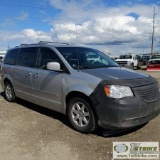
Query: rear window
{"type": "Point", "coordinates": [11, 56]}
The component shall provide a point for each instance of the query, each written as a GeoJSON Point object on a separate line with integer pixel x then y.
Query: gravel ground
{"type": "Point", "coordinates": [30, 132]}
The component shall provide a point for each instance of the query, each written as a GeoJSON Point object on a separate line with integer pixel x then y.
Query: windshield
{"type": "Point", "coordinates": [125, 57]}
{"type": "Point", "coordinates": [145, 57]}
{"type": "Point", "coordinates": [154, 62]}
{"type": "Point", "coordinates": [156, 57]}
{"type": "Point", "coordinates": [87, 58]}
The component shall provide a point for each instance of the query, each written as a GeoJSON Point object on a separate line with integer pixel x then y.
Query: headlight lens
{"type": "Point", "coordinates": [114, 91]}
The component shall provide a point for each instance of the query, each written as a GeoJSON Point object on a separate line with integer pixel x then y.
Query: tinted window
{"type": "Point", "coordinates": [27, 57]}
{"type": "Point", "coordinates": [46, 55]}
{"type": "Point", "coordinates": [125, 57]}
{"type": "Point", "coordinates": [11, 56]}
{"type": "Point", "coordinates": [156, 57]}
{"type": "Point", "coordinates": [154, 62]}
{"type": "Point", "coordinates": [86, 58]}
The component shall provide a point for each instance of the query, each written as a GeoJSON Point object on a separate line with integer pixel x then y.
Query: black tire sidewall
{"type": "Point", "coordinates": [92, 123]}
{"type": "Point", "coordinates": [12, 99]}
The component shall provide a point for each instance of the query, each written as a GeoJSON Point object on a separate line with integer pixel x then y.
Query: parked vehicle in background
{"type": "Point", "coordinates": [145, 58]}
{"type": "Point", "coordinates": [92, 57]}
{"type": "Point", "coordinates": [82, 83]}
{"type": "Point", "coordinates": [1, 59]}
{"type": "Point", "coordinates": [129, 60]}
{"type": "Point", "coordinates": [155, 56]}
{"type": "Point", "coordinates": [2, 54]}
{"type": "Point", "coordinates": [153, 64]}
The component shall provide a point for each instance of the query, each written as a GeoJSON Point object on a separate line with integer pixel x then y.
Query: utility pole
{"type": "Point", "coordinates": [152, 46]}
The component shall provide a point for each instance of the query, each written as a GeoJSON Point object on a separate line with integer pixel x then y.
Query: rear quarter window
{"type": "Point", "coordinates": [27, 57]}
{"type": "Point", "coordinates": [11, 57]}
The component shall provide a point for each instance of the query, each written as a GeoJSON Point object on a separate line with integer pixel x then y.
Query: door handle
{"type": "Point", "coordinates": [35, 75]}
{"type": "Point", "coordinates": [27, 73]}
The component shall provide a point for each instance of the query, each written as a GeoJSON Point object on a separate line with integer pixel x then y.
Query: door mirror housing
{"type": "Point", "coordinates": [54, 66]}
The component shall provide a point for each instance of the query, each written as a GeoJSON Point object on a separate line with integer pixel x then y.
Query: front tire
{"type": "Point", "coordinates": [9, 92]}
{"type": "Point", "coordinates": [81, 116]}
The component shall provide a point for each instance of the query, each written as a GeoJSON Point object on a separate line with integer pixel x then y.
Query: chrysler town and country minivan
{"type": "Point", "coordinates": [91, 92]}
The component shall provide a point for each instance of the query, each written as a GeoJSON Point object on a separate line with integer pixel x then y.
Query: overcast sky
{"type": "Point", "coordinates": [113, 26]}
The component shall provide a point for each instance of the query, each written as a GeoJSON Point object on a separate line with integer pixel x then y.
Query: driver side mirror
{"type": "Point", "coordinates": [53, 66]}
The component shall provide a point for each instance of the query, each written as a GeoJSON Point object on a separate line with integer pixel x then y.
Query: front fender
{"type": "Point", "coordinates": [79, 88]}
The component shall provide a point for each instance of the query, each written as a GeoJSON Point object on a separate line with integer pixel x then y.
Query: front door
{"type": "Point", "coordinates": [47, 84]}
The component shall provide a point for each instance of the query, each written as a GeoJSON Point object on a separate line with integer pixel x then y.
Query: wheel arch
{"type": "Point", "coordinates": [81, 95]}
{"type": "Point", "coordinates": [4, 80]}
{"type": "Point", "coordinates": [7, 78]}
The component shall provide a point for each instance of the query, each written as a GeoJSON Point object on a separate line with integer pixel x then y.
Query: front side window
{"type": "Point", "coordinates": [46, 55]}
{"type": "Point", "coordinates": [27, 57]}
{"type": "Point", "coordinates": [11, 56]}
{"type": "Point", "coordinates": [86, 58]}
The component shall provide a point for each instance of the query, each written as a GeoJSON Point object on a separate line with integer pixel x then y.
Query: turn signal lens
{"type": "Point", "coordinates": [107, 90]}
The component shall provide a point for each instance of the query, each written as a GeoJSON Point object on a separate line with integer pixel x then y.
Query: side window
{"type": "Point", "coordinates": [11, 56]}
{"type": "Point", "coordinates": [46, 55]}
{"type": "Point", "coordinates": [27, 57]}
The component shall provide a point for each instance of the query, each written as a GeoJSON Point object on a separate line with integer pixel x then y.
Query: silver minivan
{"type": "Point", "coordinates": [83, 83]}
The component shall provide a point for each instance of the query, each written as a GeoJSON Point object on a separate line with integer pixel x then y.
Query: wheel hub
{"type": "Point", "coordinates": [80, 114]}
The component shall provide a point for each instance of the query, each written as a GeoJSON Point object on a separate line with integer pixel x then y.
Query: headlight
{"type": "Point", "coordinates": [114, 91]}
{"type": "Point", "coordinates": [129, 62]}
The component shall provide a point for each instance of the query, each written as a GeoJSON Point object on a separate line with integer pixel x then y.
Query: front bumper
{"type": "Point", "coordinates": [126, 113]}
{"type": "Point", "coordinates": [123, 113]}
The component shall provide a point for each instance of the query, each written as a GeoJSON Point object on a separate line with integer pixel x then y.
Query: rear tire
{"type": "Point", "coordinates": [9, 92]}
{"type": "Point", "coordinates": [81, 116]}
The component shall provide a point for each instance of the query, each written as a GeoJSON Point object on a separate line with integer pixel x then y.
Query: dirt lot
{"type": "Point", "coordinates": [30, 132]}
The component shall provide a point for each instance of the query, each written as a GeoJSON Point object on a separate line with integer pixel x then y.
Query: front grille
{"type": "Point", "coordinates": [149, 93]}
{"type": "Point", "coordinates": [122, 62]}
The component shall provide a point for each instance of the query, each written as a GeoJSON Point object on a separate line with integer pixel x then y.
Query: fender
{"type": "Point", "coordinates": [79, 88]}
{"type": "Point", "coordinates": [73, 88]}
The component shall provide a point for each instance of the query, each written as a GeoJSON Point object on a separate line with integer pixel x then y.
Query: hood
{"type": "Point", "coordinates": [114, 73]}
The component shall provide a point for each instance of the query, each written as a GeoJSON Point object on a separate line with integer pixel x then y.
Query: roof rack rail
{"type": "Point", "coordinates": [22, 45]}
{"type": "Point", "coordinates": [29, 44]}
{"type": "Point", "coordinates": [43, 42]}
